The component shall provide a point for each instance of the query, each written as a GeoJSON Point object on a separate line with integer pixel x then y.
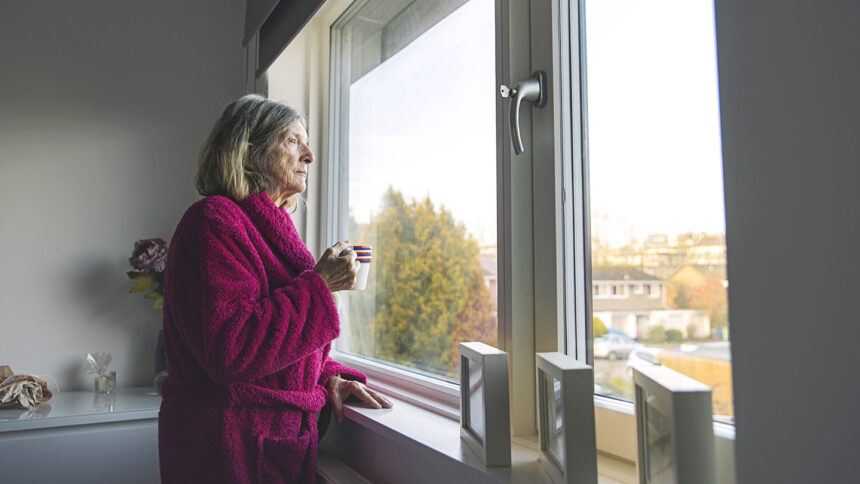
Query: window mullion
{"type": "Point", "coordinates": [577, 247]}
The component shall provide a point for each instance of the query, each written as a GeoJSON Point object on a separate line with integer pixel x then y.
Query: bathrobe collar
{"type": "Point", "coordinates": [277, 227]}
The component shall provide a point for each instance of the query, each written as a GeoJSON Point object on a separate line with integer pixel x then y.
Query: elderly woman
{"type": "Point", "coordinates": [248, 313]}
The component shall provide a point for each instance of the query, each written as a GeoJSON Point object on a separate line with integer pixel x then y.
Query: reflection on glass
{"type": "Point", "coordinates": [659, 461]}
{"type": "Point", "coordinates": [39, 411]}
{"type": "Point", "coordinates": [658, 245]}
{"type": "Point", "coordinates": [476, 399]}
{"type": "Point", "coordinates": [555, 432]}
{"type": "Point", "coordinates": [104, 402]}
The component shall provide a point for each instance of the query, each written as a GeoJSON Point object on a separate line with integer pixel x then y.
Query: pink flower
{"type": "Point", "coordinates": [149, 255]}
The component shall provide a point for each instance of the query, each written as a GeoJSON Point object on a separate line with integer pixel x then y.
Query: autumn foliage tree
{"type": "Point", "coordinates": [425, 287]}
{"type": "Point", "coordinates": [712, 297]}
{"type": "Point", "coordinates": [477, 319]}
{"type": "Point", "coordinates": [703, 293]}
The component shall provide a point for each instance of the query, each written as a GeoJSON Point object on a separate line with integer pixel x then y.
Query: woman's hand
{"type": "Point", "coordinates": [339, 390]}
{"type": "Point", "coordinates": [338, 267]}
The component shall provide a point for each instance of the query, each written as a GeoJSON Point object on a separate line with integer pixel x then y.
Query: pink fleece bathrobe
{"type": "Point", "coordinates": [247, 332]}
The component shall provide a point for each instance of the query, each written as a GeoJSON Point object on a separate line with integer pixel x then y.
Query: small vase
{"type": "Point", "coordinates": [100, 384]}
{"type": "Point", "coordinates": [105, 383]}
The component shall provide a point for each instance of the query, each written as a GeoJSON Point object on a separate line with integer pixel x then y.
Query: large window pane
{"type": "Point", "coordinates": [657, 211]}
{"type": "Point", "coordinates": [422, 182]}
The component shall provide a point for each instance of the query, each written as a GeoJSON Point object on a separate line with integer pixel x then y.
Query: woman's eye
{"type": "Point", "coordinates": [293, 140]}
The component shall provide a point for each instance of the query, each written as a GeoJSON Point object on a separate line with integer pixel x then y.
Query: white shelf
{"type": "Point", "coordinates": [83, 408]}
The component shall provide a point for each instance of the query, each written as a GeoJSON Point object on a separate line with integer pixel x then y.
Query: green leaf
{"type": "Point", "coordinates": [153, 295]}
{"type": "Point", "coordinates": [159, 303]}
{"type": "Point", "coordinates": [143, 284]}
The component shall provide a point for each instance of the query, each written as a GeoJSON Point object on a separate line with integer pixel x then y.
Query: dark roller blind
{"type": "Point", "coordinates": [281, 27]}
{"type": "Point", "coordinates": [256, 12]}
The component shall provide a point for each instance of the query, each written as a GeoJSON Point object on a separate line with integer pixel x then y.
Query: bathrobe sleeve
{"type": "Point", "coordinates": [331, 368]}
{"type": "Point", "coordinates": [248, 331]}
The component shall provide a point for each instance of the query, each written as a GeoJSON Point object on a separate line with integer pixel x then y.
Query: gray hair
{"type": "Point", "coordinates": [237, 159]}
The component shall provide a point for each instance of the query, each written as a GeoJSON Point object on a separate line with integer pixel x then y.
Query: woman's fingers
{"type": "Point", "coordinates": [379, 398]}
{"type": "Point", "coordinates": [360, 391]}
{"type": "Point", "coordinates": [338, 270]}
{"type": "Point", "coordinates": [339, 247]}
{"type": "Point", "coordinates": [344, 389]}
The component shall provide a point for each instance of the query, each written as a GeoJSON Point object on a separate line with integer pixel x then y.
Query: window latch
{"type": "Point", "coordinates": [532, 90]}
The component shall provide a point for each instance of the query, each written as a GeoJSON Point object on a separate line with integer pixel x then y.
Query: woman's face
{"type": "Point", "coordinates": [294, 156]}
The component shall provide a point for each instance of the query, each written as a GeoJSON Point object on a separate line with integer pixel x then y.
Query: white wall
{"type": "Point", "coordinates": [790, 118]}
{"type": "Point", "coordinates": [103, 106]}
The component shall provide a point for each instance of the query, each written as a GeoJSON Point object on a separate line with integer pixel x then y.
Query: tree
{"type": "Point", "coordinates": [657, 334]}
{"type": "Point", "coordinates": [678, 294]}
{"type": "Point", "coordinates": [362, 310]}
{"type": "Point", "coordinates": [476, 321]}
{"type": "Point", "coordinates": [712, 297]}
{"type": "Point", "coordinates": [424, 261]}
{"type": "Point", "coordinates": [692, 329]}
{"type": "Point", "coordinates": [674, 336]}
{"type": "Point", "coordinates": [598, 328]}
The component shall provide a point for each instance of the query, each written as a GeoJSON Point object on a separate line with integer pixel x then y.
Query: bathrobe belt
{"type": "Point", "coordinates": [210, 394]}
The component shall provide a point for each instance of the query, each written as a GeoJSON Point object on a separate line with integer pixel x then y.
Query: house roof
{"type": "Point", "coordinates": [620, 274]}
{"type": "Point", "coordinates": [488, 264]}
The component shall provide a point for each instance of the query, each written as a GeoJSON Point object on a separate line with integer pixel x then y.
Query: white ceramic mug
{"type": "Point", "coordinates": [365, 257]}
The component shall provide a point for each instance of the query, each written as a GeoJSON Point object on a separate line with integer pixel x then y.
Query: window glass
{"type": "Point", "coordinates": [656, 193]}
{"type": "Point", "coordinates": [422, 180]}
{"type": "Point", "coordinates": [476, 398]}
{"type": "Point", "coordinates": [554, 419]}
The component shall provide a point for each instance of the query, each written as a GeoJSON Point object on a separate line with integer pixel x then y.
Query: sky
{"type": "Point", "coordinates": [655, 155]}
{"type": "Point", "coordinates": [424, 120]}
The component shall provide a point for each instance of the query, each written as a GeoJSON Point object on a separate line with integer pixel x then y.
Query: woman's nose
{"type": "Point", "coordinates": [308, 158]}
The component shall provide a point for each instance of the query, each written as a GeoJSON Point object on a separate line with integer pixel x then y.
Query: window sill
{"type": "Point", "coordinates": [436, 439]}
{"type": "Point", "coordinates": [615, 423]}
{"type": "Point", "coordinates": [427, 392]}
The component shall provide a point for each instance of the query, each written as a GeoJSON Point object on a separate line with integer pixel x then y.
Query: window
{"type": "Point", "coordinates": [420, 160]}
{"type": "Point", "coordinates": [655, 187]}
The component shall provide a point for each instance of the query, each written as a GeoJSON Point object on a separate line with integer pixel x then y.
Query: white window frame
{"type": "Point", "coordinates": [571, 80]}
{"type": "Point", "coordinates": [570, 83]}
{"type": "Point", "coordinates": [521, 332]}
{"type": "Point", "coordinates": [530, 309]}
{"type": "Point", "coordinates": [430, 392]}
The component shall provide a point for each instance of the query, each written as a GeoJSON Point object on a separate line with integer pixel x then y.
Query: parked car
{"type": "Point", "coordinates": [613, 346]}
{"type": "Point", "coordinates": [641, 357]}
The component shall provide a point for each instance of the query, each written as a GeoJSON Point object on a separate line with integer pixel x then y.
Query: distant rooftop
{"type": "Point", "coordinates": [488, 264]}
{"type": "Point", "coordinates": [620, 274]}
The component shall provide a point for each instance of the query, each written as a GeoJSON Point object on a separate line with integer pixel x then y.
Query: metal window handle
{"type": "Point", "coordinates": [532, 90]}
